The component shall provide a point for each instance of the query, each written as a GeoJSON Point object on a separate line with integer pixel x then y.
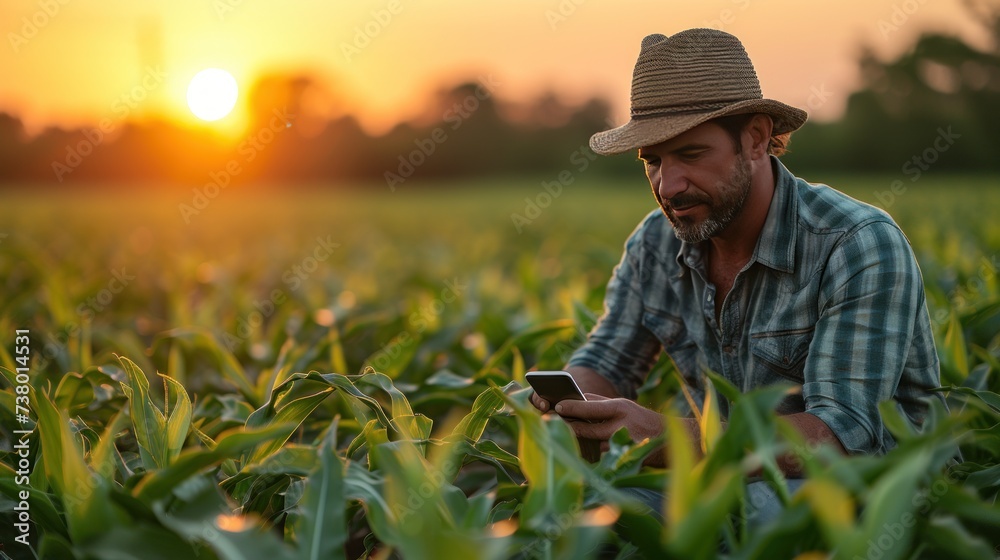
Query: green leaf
{"type": "Point", "coordinates": [229, 367]}
{"type": "Point", "coordinates": [291, 415]}
{"type": "Point", "coordinates": [710, 421]}
{"type": "Point", "coordinates": [624, 457]}
{"type": "Point", "coordinates": [517, 369]}
{"type": "Point", "coordinates": [884, 508]}
{"type": "Point", "coordinates": [684, 482]}
{"type": "Point", "coordinates": [148, 423]}
{"type": "Point", "coordinates": [230, 444]}
{"type": "Point", "coordinates": [952, 540]}
{"type": "Point", "coordinates": [199, 513]}
{"type": "Point", "coordinates": [53, 545]}
{"type": "Point", "coordinates": [393, 358]}
{"type": "Point", "coordinates": [697, 534]}
{"type": "Point", "coordinates": [337, 351]}
{"type": "Point", "coordinates": [73, 391]}
{"type": "Point", "coordinates": [954, 354]}
{"type": "Point", "coordinates": [448, 379]}
{"type": "Point", "coordinates": [724, 386]}
{"type": "Point", "coordinates": [426, 514]}
{"type": "Point", "coordinates": [175, 364]}
{"type": "Point", "coordinates": [526, 336]}
{"type": "Point", "coordinates": [43, 512]}
{"type": "Point", "coordinates": [832, 504]}
{"type": "Point", "coordinates": [963, 503]}
{"type": "Point", "coordinates": [410, 425]}
{"type": "Point", "coordinates": [83, 493]}
{"type": "Point", "coordinates": [139, 542]}
{"type": "Point", "coordinates": [550, 460]}
{"type": "Point", "coordinates": [486, 405]}
{"type": "Point", "coordinates": [323, 525]}
{"type": "Point", "coordinates": [179, 419]}
{"type": "Point", "coordinates": [103, 455]}
{"type": "Point", "coordinates": [894, 420]}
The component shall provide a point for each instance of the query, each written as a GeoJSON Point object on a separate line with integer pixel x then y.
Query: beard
{"type": "Point", "coordinates": [732, 194]}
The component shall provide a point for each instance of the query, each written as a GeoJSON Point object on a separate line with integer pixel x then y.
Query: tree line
{"type": "Point", "coordinates": [935, 107]}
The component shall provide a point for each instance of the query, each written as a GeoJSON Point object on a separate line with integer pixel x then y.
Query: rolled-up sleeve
{"type": "Point", "coordinates": [869, 295]}
{"type": "Point", "coordinates": [619, 347]}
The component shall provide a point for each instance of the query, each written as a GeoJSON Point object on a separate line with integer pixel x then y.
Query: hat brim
{"type": "Point", "coordinates": [649, 131]}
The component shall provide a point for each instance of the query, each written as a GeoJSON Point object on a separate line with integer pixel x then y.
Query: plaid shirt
{"type": "Point", "coordinates": [831, 300]}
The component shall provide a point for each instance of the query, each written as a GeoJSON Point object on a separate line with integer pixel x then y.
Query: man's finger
{"type": "Point", "coordinates": [588, 410]}
{"type": "Point", "coordinates": [587, 430]}
{"type": "Point", "coordinates": [540, 403]}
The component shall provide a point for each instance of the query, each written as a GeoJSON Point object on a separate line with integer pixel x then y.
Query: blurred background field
{"type": "Point", "coordinates": [520, 256]}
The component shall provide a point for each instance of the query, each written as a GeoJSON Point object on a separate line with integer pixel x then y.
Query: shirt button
{"type": "Point", "coordinates": [709, 297]}
{"type": "Point", "coordinates": [727, 349]}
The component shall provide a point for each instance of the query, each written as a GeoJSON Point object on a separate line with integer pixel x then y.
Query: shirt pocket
{"type": "Point", "coordinates": [666, 328]}
{"type": "Point", "coordinates": [782, 352]}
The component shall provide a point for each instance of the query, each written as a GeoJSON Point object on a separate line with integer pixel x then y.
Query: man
{"type": "Point", "coordinates": [749, 271]}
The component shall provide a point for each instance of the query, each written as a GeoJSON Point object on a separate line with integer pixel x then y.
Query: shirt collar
{"type": "Point", "coordinates": [776, 244]}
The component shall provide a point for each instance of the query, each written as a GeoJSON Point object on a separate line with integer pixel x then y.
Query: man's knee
{"type": "Point", "coordinates": [763, 503]}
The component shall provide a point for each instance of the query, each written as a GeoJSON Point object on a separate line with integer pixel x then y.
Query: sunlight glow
{"type": "Point", "coordinates": [212, 94]}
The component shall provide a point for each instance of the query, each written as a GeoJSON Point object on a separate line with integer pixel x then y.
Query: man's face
{"type": "Point", "coordinates": [699, 181]}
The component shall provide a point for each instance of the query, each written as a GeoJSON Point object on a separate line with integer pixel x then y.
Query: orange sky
{"type": "Point", "coordinates": [75, 65]}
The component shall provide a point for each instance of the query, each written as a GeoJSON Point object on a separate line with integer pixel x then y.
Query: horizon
{"type": "Point", "coordinates": [361, 54]}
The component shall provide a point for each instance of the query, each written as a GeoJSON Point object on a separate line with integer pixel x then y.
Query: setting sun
{"type": "Point", "coordinates": [212, 94]}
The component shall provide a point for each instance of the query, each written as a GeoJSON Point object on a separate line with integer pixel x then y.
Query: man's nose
{"type": "Point", "coordinates": [672, 181]}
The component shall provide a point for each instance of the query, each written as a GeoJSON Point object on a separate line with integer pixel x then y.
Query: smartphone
{"type": "Point", "coordinates": [554, 386]}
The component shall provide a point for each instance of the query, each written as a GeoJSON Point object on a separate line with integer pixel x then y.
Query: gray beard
{"type": "Point", "coordinates": [732, 195]}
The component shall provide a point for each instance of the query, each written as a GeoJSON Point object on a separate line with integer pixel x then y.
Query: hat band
{"type": "Point", "coordinates": [685, 110]}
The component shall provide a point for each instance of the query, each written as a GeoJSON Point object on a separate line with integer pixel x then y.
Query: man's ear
{"type": "Point", "coordinates": [759, 130]}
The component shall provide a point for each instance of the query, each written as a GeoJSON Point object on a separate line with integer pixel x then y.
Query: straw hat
{"type": "Point", "coordinates": [686, 79]}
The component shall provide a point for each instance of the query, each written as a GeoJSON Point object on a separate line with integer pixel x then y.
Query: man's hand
{"type": "Point", "coordinates": [599, 417]}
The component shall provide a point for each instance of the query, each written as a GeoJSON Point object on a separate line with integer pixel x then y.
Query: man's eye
{"type": "Point", "coordinates": [651, 162]}
{"type": "Point", "coordinates": [690, 156]}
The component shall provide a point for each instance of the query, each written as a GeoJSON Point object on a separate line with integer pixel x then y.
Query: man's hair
{"type": "Point", "coordinates": [734, 125]}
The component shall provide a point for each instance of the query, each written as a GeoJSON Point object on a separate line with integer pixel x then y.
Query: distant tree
{"type": "Point", "coordinates": [941, 88]}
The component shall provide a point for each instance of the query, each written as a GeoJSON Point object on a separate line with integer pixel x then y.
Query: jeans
{"type": "Point", "coordinates": [762, 502]}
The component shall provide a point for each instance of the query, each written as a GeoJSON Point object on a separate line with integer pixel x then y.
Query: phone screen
{"type": "Point", "coordinates": [554, 386]}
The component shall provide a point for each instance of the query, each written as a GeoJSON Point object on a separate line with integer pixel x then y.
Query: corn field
{"type": "Point", "coordinates": [341, 376]}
